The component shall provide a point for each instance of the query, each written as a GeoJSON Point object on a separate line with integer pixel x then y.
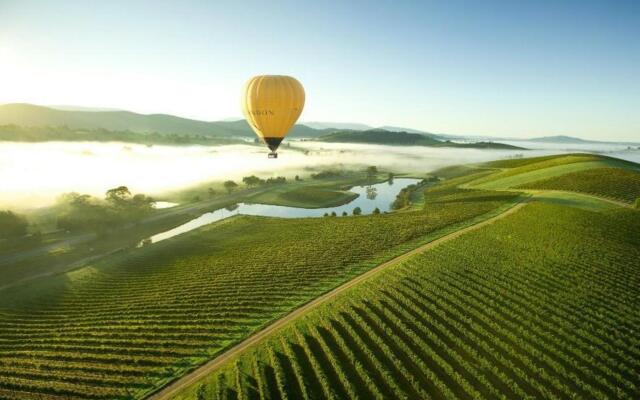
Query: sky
{"type": "Point", "coordinates": [501, 68]}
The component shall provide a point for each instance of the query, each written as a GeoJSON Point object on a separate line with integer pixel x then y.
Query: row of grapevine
{"type": "Point", "coordinates": [614, 183]}
{"type": "Point", "coordinates": [521, 166]}
{"type": "Point", "coordinates": [542, 304]}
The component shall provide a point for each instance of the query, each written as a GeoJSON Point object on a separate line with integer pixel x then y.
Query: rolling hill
{"type": "Point", "coordinates": [381, 136]}
{"type": "Point", "coordinates": [30, 115]}
{"type": "Point", "coordinates": [537, 304]}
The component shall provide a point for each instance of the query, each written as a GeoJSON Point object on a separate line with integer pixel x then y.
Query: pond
{"type": "Point", "coordinates": [369, 198]}
{"type": "Point", "coordinates": [163, 204]}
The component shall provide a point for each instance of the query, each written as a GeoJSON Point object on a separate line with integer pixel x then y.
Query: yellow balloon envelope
{"type": "Point", "coordinates": [271, 105]}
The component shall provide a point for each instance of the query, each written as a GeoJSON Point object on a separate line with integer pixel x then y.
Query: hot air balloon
{"type": "Point", "coordinates": [271, 105]}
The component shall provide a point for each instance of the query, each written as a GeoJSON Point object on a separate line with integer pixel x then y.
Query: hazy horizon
{"type": "Point", "coordinates": [510, 69]}
{"type": "Point", "coordinates": [333, 124]}
{"type": "Point", "coordinates": [93, 168]}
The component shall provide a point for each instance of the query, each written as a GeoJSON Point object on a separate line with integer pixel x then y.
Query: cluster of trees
{"type": "Point", "coordinates": [83, 212]}
{"type": "Point", "coordinates": [251, 181]}
{"type": "Point", "coordinates": [12, 225]}
{"type": "Point", "coordinates": [403, 199]}
{"type": "Point", "coordinates": [356, 211]}
{"type": "Point", "coordinates": [326, 174]}
{"type": "Point", "coordinates": [371, 172]}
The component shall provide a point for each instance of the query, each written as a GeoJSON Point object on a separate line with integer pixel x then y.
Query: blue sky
{"type": "Point", "coordinates": [507, 68]}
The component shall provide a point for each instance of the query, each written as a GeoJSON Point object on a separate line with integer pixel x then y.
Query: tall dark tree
{"type": "Point", "coordinates": [118, 196]}
{"type": "Point", "coordinates": [230, 186]}
{"type": "Point", "coordinates": [372, 171]}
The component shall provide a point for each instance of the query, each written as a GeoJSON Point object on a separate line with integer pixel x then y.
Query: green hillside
{"type": "Point", "coordinates": [541, 303]}
{"type": "Point", "coordinates": [492, 314]}
{"type": "Point", "coordinates": [377, 136]}
{"type": "Point", "coordinates": [479, 145]}
{"type": "Point", "coordinates": [28, 115]}
{"type": "Point", "coordinates": [615, 183]}
{"type": "Point", "coordinates": [381, 136]}
{"type": "Point", "coordinates": [519, 172]}
{"type": "Point", "coordinates": [125, 325]}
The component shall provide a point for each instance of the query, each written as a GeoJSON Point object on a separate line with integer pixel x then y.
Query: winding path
{"type": "Point", "coordinates": [176, 386]}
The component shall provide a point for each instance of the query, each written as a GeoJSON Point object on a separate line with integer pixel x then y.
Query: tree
{"type": "Point", "coordinates": [252, 180]}
{"type": "Point", "coordinates": [212, 192]}
{"type": "Point", "coordinates": [333, 214]}
{"type": "Point", "coordinates": [357, 211]}
{"type": "Point", "coordinates": [326, 215]}
{"type": "Point", "coordinates": [390, 177]}
{"type": "Point", "coordinates": [298, 178]}
{"type": "Point", "coordinates": [372, 193]}
{"type": "Point", "coordinates": [12, 225]}
{"type": "Point", "coordinates": [276, 180]}
{"type": "Point", "coordinates": [141, 204]}
{"type": "Point", "coordinates": [637, 205]}
{"type": "Point", "coordinates": [230, 186]}
{"type": "Point", "coordinates": [376, 210]}
{"type": "Point", "coordinates": [118, 196]}
{"type": "Point", "coordinates": [372, 171]}
{"type": "Point", "coordinates": [344, 214]}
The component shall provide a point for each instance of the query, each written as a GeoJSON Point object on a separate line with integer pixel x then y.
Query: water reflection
{"type": "Point", "coordinates": [372, 192]}
{"type": "Point", "coordinates": [385, 194]}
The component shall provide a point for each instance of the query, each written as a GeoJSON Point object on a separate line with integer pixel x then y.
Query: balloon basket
{"type": "Point", "coordinates": [273, 155]}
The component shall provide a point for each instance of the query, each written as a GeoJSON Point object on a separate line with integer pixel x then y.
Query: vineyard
{"type": "Point", "coordinates": [541, 304]}
{"type": "Point", "coordinates": [131, 323]}
{"type": "Point", "coordinates": [518, 172]}
{"type": "Point", "coordinates": [614, 183]}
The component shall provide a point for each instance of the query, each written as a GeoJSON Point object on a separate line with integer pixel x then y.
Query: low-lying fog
{"type": "Point", "coordinates": [34, 174]}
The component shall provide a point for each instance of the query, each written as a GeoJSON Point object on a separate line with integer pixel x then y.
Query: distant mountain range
{"type": "Point", "coordinates": [38, 116]}
{"type": "Point", "coordinates": [562, 139]}
{"type": "Point", "coordinates": [354, 126]}
{"type": "Point", "coordinates": [86, 118]}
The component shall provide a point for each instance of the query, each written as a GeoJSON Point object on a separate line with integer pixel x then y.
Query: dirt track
{"type": "Point", "coordinates": [176, 386]}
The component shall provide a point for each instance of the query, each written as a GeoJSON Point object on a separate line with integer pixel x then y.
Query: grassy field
{"type": "Point", "coordinates": [126, 325]}
{"type": "Point", "coordinates": [518, 172]}
{"type": "Point", "coordinates": [62, 251]}
{"type": "Point", "coordinates": [538, 304]}
{"type": "Point", "coordinates": [305, 197]}
{"type": "Point", "coordinates": [614, 183]}
{"type": "Point", "coordinates": [492, 314]}
{"type": "Point", "coordinates": [573, 200]}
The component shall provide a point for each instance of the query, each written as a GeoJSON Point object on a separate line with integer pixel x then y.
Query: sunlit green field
{"type": "Point", "coordinates": [615, 183]}
{"type": "Point", "coordinates": [541, 304]}
{"type": "Point", "coordinates": [126, 325]}
{"type": "Point", "coordinates": [538, 304]}
{"type": "Point", "coordinates": [514, 173]}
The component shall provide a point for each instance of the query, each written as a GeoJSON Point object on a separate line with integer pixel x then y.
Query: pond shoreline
{"type": "Point", "coordinates": [369, 198]}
